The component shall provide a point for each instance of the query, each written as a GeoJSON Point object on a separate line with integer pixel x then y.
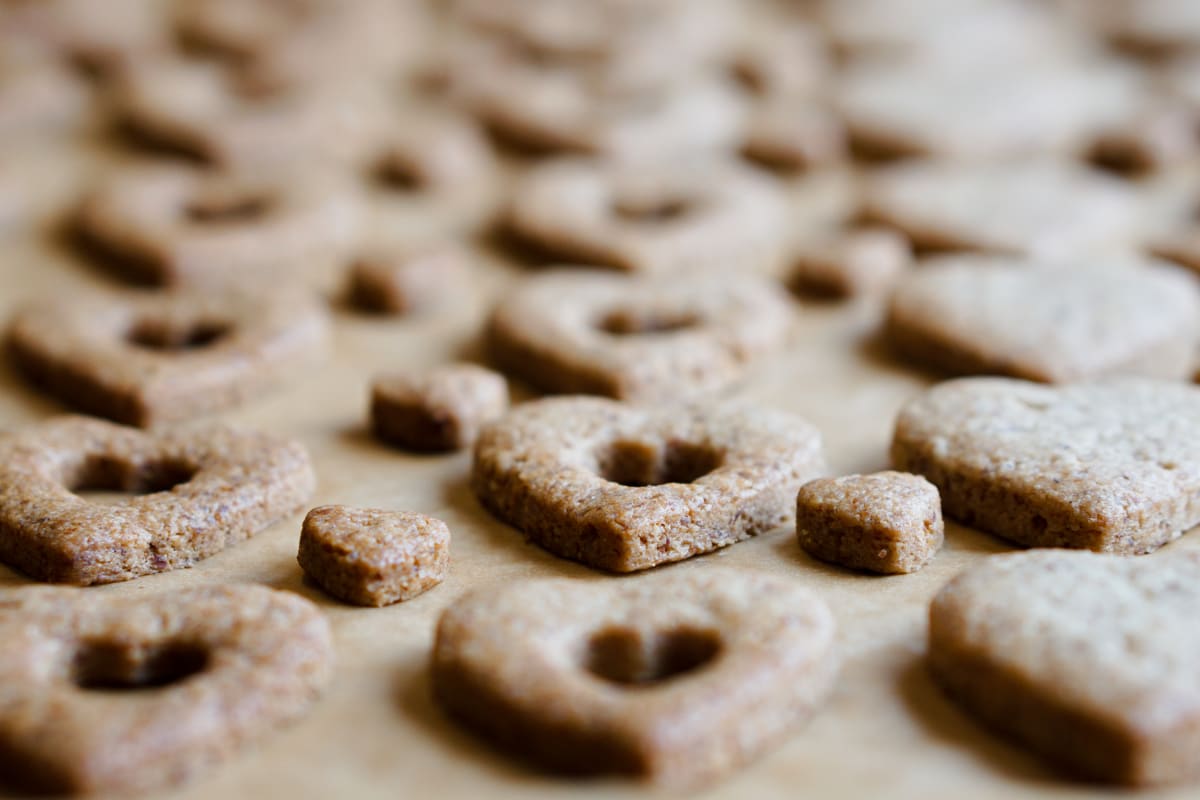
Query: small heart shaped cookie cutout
{"type": "Point", "coordinates": [1089, 660]}
{"type": "Point", "coordinates": [1111, 466]}
{"type": "Point", "coordinates": [677, 678]}
{"type": "Point", "coordinates": [100, 693]}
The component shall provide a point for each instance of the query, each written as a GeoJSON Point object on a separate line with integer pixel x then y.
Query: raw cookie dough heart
{"type": "Point", "coordinates": [981, 315]}
{"type": "Point", "coordinates": [1109, 466]}
{"type": "Point", "coordinates": [1089, 660]}
{"type": "Point", "coordinates": [118, 694]}
{"type": "Point", "coordinates": [677, 678]}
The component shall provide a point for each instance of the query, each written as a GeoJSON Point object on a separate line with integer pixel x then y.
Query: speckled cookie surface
{"type": "Point", "coordinates": [1109, 466]}
{"type": "Point", "coordinates": [198, 491]}
{"type": "Point", "coordinates": [888, 522]}
{"type": "Point", "coordinates": [371, 556]}
{"type": "Point", "coordinates": [122, 695]}
{"type": "Point", "coordinates": [1087, 660]}
{"type": "Point", "coordinates": [1047, 322]}
{"type": "Point", "coordinates": [1035, 206]}
{"type": "Point", "coordinates": [677, 679]}
{"type": "Point", "coordinates": [148, 358]}
{"type": "Point", "coordinates": [623, 488]}
{"type": "Point", "coordinates": [636, 338]}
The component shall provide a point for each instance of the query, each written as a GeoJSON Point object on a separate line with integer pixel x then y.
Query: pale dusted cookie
{"type": "Point", "coordinates": [1109, 466]}
{"type": "Point", "coordinates": [372, 557]}
{"type": "Point", "coordinates": [38, 94]}
{"type": "Point", "coordinates": [194, 492]}
{"type": "Point", "coordinates": [1152, 27]}
{"type": "Point", "coordinates": [409, 280]}
{"type": "Point", "coordinates": [124, 694]}
{"type": "Point", "coordinates": [624, 488]}
{"type": "Point", "coordinates": [793, 133]}
{"type": "Point", "coordinates": [971, 111]}
{"type": "Point", "coordinates": [674, 679]}
{"type": "Point", "coordinates": [662, 217]}
{"type": "Point", "coordinates": [1041, 207]}
{"type": "Point", "coordinates": [151, 358]}
{"type": "Point", "coordinates": [441, 409]}
{"type": "Point", "coordinates": [636, 338]}
{"type": "Point", "coordinates": [1087, 660]}
{"type": "Point", "coordinates": [861, 261]}
{"type": "Point", "coordinates": [889, 522]}
{"type": "Point", "coordinates": [1047, 322]}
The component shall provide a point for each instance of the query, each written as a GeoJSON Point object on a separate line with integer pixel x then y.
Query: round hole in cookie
{"type": "Point", "coordinates": [397, 175]}
{"type": "Point", "coordinates": [634, 463]}
{"type": "Point", "coordinates": [624, 656]}
{"type": "Point", "coordinates": [154, 334]}
{"type": "Point", "coordinates": [109, 480]}
{"type": "Point", "coordinates": [631, 323]}
{"type": "Point", "coordinates": [118, 666]}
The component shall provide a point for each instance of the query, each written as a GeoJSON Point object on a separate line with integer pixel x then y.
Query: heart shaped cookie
{"type": "Point", "coordinates": [148, 358]}
{"type": "Point", "coordinates": [1046, 321]}
{"type": "Point", "coordinates": [638, 338]}
{"type": "Point", "coordinates": [103, 693]}
{"type": "Point", "coordinates": [197, 491]}
{"type": "Point", "coordinates": [624, 488]}
{"type": "Point", "coordinates": [1110, 466]}
{"type": "Point", "coordinates": [1092, 661]}
{"type": "Point", "coordinates": [676, 678]}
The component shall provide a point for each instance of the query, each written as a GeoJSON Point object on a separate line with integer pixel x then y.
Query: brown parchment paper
{"type": "Point", "coordinates": [887, 732]}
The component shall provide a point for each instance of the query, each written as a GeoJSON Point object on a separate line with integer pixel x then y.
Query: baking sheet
{"type": "Point", "coordinates": [886, 732]}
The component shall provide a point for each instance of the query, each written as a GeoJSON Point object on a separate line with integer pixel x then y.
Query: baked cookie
{"type": "Point", "coordinates": [624, 488]}
{"type": "Point", "coordinates": [1108, 466]}
{"type": "Point", "coordinates": [675, 679]}
{"type": "Point", "coordinates": [147, 358]}
{"type": "Point", "coordinates": [663, 217]}
{"type": "Point", "coordinates": [888, 522]}
{"type": "Point", "coordinates": [1087, 660]}
{"type": "Point", "coordinates": [198, 491]}
{"type": "Point", "coordinates": [175, 225]}
{"type": "Point", "coordinates": [227, 117]}
{"type": "Point", "coordinates": [37, 93]}
{"type": "Point", "coordinates": [1037, 207]}
{"type": "Point", "coordinates": [371, 557]}
{"type": "Point", "coordinates": [1046, 322]}
{"type": "Point", "coordinates": [409, 280]}
{"type": "Point", "coordinates": [1152, 27]}
{"type": "Point", "coordinates": [548, 109]}
{"type": "Point", "coordinates": [850, 263]}
{"type": "Point", "coordinates": [441, 409]}
{"type": "Point", "coordinates": [121, 695]}
{"type": "Point", "coordinates": [913, 108]}
{"type": "Point", "coordinates": [636, 338]}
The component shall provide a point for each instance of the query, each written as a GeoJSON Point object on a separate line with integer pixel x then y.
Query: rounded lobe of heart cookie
{"type": "Point", "coordinates": [149, 358]}
{"type": "Point", "coordinates": [1046, 321]}
{"type": "Point", "coordinates": [1108, 466]}
{"type": "Point", "coordinates": [623, 488]}
{"type": "Point", "coordinates": [636, 338]}
{"type": "Point", "coordinates": [1088, 660]}
{"type": "Point", "coordinates": [197, 491]}
{"type": "Point", "coordinates": [677, 679]}
{"type": "Point", "coordinates": [1035, 207]}
{"type": "Point", "coordinates": [119, 694]}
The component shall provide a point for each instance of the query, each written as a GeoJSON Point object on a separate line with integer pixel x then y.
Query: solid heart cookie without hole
{"type": "Point", "coordinates": [1110, 466]}
{"type": "Point", "coordinates": [1092, 661]}
{"type": "Point", "coordinates": [1045, 321]}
